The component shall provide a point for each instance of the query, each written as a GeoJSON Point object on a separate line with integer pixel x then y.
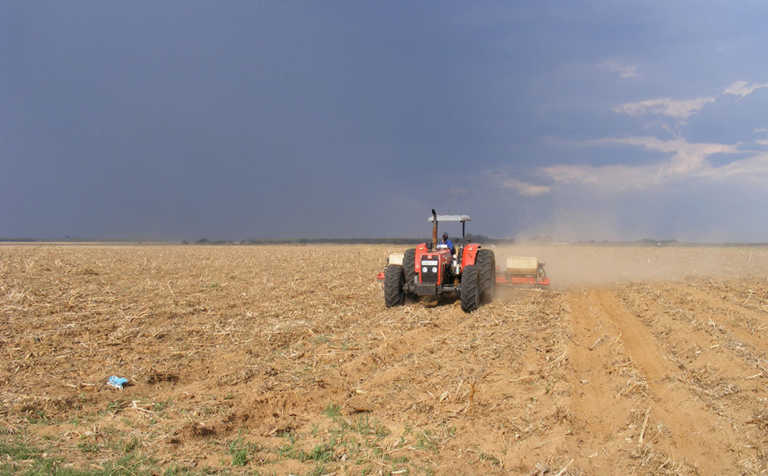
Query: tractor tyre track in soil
{"type": "Point", "coordinates": [599, 414]}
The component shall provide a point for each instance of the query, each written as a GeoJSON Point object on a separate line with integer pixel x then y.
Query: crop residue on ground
{"type": "Point", "coordinates": [283, 359]}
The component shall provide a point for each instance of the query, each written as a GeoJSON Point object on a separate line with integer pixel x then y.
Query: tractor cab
{"type": "Point", "coordinates": [458, 247]}
{"type": "Point", "coordinates": [463, 219]}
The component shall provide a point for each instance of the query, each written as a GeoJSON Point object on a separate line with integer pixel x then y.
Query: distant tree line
{"type": "Point", "coordinates": [395, 241]}
{"type": "Point", "coordinates": [363, 241]}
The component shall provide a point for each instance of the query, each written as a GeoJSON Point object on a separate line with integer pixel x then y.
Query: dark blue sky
{"type": "Point", "coordinates": [184, 119]}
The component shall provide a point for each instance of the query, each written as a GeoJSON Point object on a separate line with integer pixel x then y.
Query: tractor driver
{"type": "Point", "coordinates": [446, 241]}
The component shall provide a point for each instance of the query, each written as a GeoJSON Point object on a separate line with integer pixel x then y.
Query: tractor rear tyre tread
{"type": "Point", "coordinates": [486, 262]}
{"type": "Point", "coordinates": [394, 295]}
{"type": "Point", "coordinates": [470, 289]}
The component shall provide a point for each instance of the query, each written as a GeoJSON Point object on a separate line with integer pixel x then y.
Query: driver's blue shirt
{"type": "Point", "coordinates": [449, 243]}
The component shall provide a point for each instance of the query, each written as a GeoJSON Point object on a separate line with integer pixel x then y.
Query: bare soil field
{"type": "Point", "coordinates": [284, 360]}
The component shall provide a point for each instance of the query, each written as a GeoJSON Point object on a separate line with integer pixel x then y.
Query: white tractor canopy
{"type": "Point", "coordinates": [455, 218]}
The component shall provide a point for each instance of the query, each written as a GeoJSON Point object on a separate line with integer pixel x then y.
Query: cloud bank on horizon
{"type": "Point", "coordinates": [682, 161]}
{"type": "Point", "coordinates": [697, 152]}
{"type": "Point", "coordinates": [581, 120]}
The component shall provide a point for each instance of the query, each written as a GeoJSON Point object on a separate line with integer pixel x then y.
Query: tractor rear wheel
{"type": "Point", "coordinates": [486, 262]}
{"type": "Point", "coordinates": [470, 288]}
{"type": "Point", "coordinates": [394, 295]}
{"type": "Point", "coordinates": [409, 266]}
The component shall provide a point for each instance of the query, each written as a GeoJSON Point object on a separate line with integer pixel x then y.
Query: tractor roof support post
{"type": "Point", "coordinates": [463, 228]}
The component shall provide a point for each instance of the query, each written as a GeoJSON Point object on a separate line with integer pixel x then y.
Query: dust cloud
{"type": "Point", "coordinates": [576, 265]}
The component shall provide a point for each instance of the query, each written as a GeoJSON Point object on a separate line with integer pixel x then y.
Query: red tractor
{"type": "Point", "coordinates": [431, 269]}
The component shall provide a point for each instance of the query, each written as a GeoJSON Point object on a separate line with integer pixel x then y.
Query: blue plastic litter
{"type": "Point", "coordinates": [117, 382]}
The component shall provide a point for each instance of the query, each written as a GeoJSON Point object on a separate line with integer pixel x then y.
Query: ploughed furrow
{"type": "Point", "coordinates": [718, 369]}
{"type": "Point", "coordinates": [489, 390]}
{"type": "Point", "coordinates": [747, 325]}
{"type": "Point", "coordinates": [675, 424]}
{"type": "Point", "coordinates": [746, 293]}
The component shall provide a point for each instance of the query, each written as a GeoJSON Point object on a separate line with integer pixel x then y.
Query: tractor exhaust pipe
{"type": "Point", "coordinates": [434, 229]}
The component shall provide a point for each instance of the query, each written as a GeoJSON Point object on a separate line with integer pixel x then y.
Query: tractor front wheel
{"type": "Point", "coordinates": [470, 289]}
{"type": "Point", "coordinates": [409, 267]}
{"type": "Point", "coordinates": [394, 295]}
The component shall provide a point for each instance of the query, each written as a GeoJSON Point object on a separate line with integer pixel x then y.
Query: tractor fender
{"type": "Point", "coordinates": [395, 258]}
{"type": "Point", "coordinates": [469, 254]}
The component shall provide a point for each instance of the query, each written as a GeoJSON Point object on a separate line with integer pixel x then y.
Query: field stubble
{"type": "Point", "coordinates": [278, 359]}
